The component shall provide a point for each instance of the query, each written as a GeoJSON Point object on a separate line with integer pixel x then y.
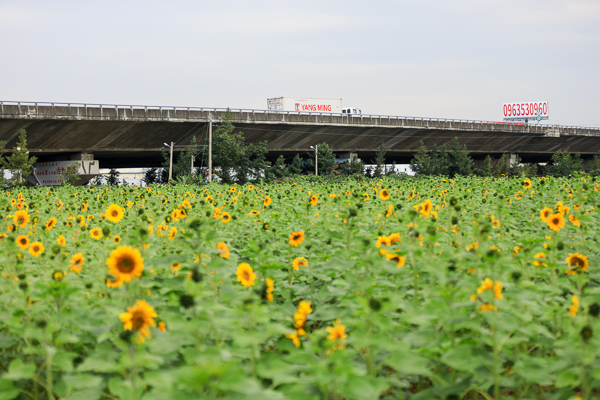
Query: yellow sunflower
{"type": "Point", "coordinates": [296, 238]}
{"type": "Point", "coordinates": [270, 283]}
{"type": "Point", "coordinates": [556, 222]}
{"type": "Point", "coordinates": [267, 201]}
{"type": "Point", "coordinates": [51, 223]}
{"type": "Point", "coordinates": [96, 233]}
{"type": "Point", "coordinates": [58, 276]}
{"type": "Point", "coordinates": [36, 249]}
{"type": "Point", "coordinates": [337, 331]}
{"type": "Point", "coordinates": [394, 238]}
{"type": "Point", "coordinates": [172, 233]}
{"type": "Point", "coordinates": [526, 184]}
{"type": "Point", "coordinates": [21, 218]}
{"type": "Point", "coordinates": [384, 194]}
{"type": "Point", "coordinates": [125, 263]}
{"type": "Point", "coordinates": [114, 213]}
{"type": "Point", "coordinates": [579, 261]}
{"type": "Point", "coordinates": [314, 199]}
{"type": "Point", "coordinates": [245, 275]}
{"type": "Point", "coordinates": [139, 318]}
{"type": "Point", "coordinates": [426, 208]}
{"type": "Point", "coordinates": [223, 250]}
{"type": "Point", "coordinates": [545, 213]}
{"type": "Point", "coordinates": [225, 217]}
{"type": "Point", "coordinates": [400, 261]}
{"type": "Point", "coordinates": [76, 262]}
{"type": "Point", "coordinates": [114, 283]}
{"type": "Point", "coordinates": [23, 242]}
{"type": "Point", "coordinates": [117, 239]}
{"type": "Point", "coordinates": [298, 262]}
{"type": "Point", "coordinates": [61, 241]}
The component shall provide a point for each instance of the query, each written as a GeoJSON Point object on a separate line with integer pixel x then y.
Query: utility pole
{"type": "Point", "coordinates": [316, 160]}
{"type": "Point", "coordinates": [171, 164]}
{"type": "Point", "coordinates": [192, 171]}
{"type": "Point", "coordinates": [209, 147]}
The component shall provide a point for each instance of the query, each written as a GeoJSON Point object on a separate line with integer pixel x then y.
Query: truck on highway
{"type": "Point", "coordinates": [304, 104]}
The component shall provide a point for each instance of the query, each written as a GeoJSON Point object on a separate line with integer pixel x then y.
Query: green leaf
{"type": "Point", "coordinates": [82, 381]}
{"type": "Point", "coordinates": [568, 378]}
{"type": "Point", "coordinates": [7, 390]}
{"type": "Point", "coordinates": [87, 394]}
{"type": "Point", "coordinates": [19, 370]}
{"type": "Point", "coordinates": [535, 370]}
{"type": "Point", "coordinates": [465, 358]}
{"type": "Point", "coordinates": [408, 362]}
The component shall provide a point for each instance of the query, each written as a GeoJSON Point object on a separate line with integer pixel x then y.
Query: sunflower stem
{"type": "Point", "coordinates": [496, 361]}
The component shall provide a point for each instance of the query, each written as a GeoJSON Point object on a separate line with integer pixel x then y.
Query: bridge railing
{"type": "Point", "coordinates": [121, 111]}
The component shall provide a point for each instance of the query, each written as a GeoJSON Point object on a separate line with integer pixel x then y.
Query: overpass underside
{"type": "Point", "coordinates": [131, 137]}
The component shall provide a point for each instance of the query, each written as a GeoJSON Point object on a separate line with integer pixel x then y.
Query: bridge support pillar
{"type": "Point", "coordinates": [511, 160]}
{"type": "Point", "coordinates": [49, 173]}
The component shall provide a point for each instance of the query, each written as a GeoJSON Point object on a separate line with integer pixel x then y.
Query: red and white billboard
{"type": "Point", "coordinates": [304, 104]}
{"type": "Point", "coordinates": [526, 110]}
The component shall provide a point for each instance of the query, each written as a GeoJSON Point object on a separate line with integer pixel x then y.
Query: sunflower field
{"type": "Point", "coordinates": [433, 288]}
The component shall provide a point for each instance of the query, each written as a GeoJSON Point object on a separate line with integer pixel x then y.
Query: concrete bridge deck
{"type": "Point", "coordinates": [125, 136]}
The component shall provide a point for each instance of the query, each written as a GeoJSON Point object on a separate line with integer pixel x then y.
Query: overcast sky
{"type": "Point", "coordinates": [446, 59]}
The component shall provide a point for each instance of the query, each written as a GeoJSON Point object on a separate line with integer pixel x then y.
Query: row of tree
{"type": "Point", "coordinates": [236, 161]}
{"type": "Point", "coordinates": [457, 161]}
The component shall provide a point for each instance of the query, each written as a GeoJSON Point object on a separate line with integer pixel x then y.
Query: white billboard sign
{"type": "Point", "coordinates": [526, 110]}
{"type": "Point", "coordinates": [50, 173]}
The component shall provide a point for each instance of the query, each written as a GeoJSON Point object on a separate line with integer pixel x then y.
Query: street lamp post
{"type": "Point", "coordinates": [170, 160]}
{"type": "Point", "coordinates": [316, 147]}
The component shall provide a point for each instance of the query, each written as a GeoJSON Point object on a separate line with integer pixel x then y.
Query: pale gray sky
{"type": "Point", "coordinates": [447, 59]}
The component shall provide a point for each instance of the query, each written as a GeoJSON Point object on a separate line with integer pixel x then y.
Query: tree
{"type": "Point", "coordinates": [252, 163]}
{"type": "Point", "coordinates": [295, 167]}
{"type": "Point", "coordinates": [487, 167]}
{"type": "Point", "coordinates": [563, 164]}
{"type": "Point", "coordinates": [150, 176]}
{"type": "Point", "coordinates": [183, 165]}
{"type": "Point", "coordinates": [353, 166]}
{"type": "Point", "coordinates": [460, 161]}
{"type": "Point", "coordinates": [227, 148]}
{"type": "Point", "coordinates": [113, 177]}
{"type": "Point", "coordinates": [279, 169]}
{"type": "Point", "coordinates": [70, 175]}
{"type": "Point", "coordinates": [326, 159]}
{"type": "Point", "coordinates": [501, 167]}
{"type": "Point", "coordinates": [19, 163]}
{"type": "Point", "coordinates": [380, 161]}
{"type": "Point", "coordinates": [421, 163]}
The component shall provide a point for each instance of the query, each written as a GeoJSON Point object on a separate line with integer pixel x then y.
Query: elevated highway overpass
{"type": "Point", "coordinates": [133, 136]}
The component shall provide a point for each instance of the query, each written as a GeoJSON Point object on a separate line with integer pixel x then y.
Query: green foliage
{"type": "Point", "coordinates": [71, 174]}
{"type": "Point", "coordinates": [407, 283]}
{"type": "Point", "coordinates": [564, 164]}
{"type": "Point", "coordinates": [113, 177]}
{"type": "Point", "coordinates": [295, 167]}
{"type": "Point", "coordinates": [421, 163]}
{"type": "Point", "coordinates": [380, 161]}
{"type": "Point", "coordinates": [279, 169]}
{"type": "Point", "coordinates": [233, 161]}
{"type": "Point", "coordinates": [326, 159]}
{"type": "Point", "coordinates": [353, 166]}
{"type": "Point", "coordinates": [150, 176]}
{"type": "Point", "coordinates": [18, 162]}
{"type": "Point", "coordinates": [460, 161]}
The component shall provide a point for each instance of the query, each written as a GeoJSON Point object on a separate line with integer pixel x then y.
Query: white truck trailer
{"type": "Point", "coordinates": [303, 104]}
